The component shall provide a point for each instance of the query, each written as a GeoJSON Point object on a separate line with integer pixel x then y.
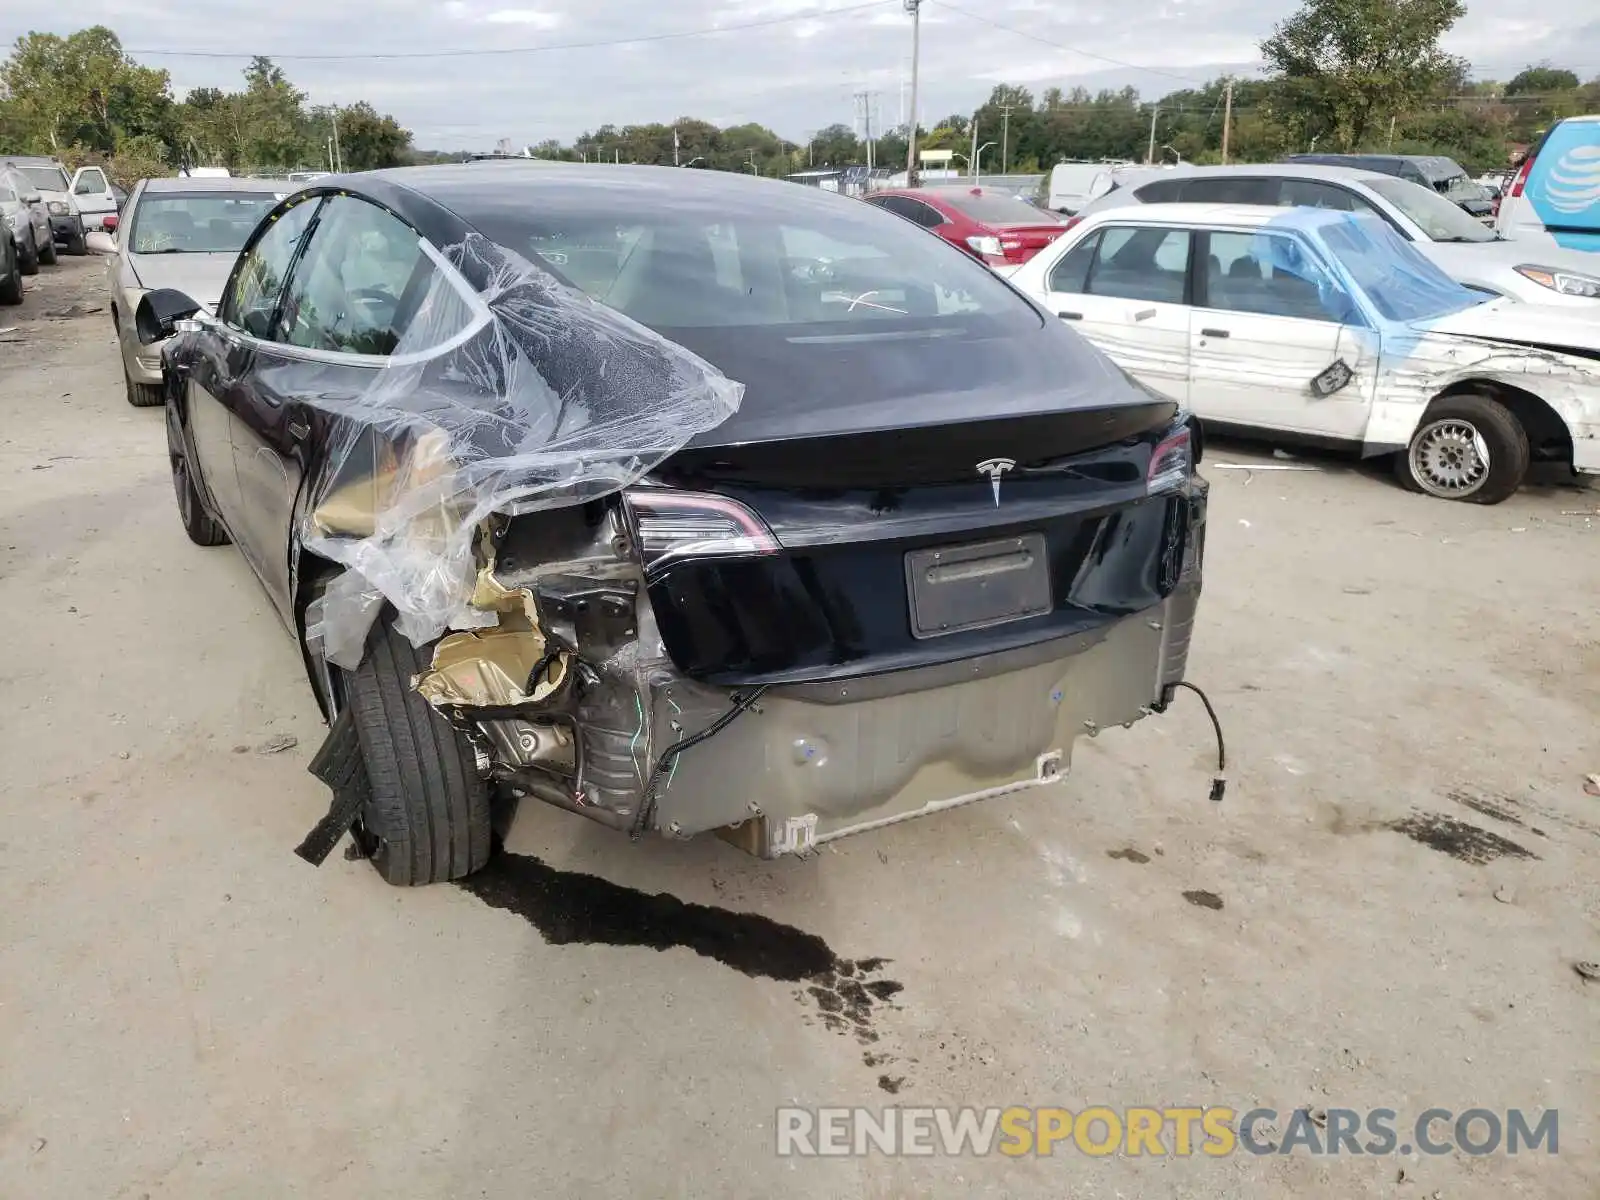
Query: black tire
{"type": "Point", "coordinates": [429, 819]}
{"type": "Point", "coordinates": [11, 289]}
{"type": "Point", "coordinates": [1444, 458]}
{"type": "Point", "coordinates": [203, 529]}
{"type": "Point", "coordinates": [47, 252]}
{"type": "Point", "coordinates": [141, 395]}
{"type": "Point", "coordinates": [28, 264]}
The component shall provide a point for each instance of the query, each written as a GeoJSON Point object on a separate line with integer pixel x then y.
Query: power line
{"type": "Point", "coordinates": [764, 23]}
{"type": "Point", "coordinates": [972, 16]}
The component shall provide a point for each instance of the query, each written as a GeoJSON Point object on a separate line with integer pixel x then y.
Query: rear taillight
{"type": "Point", "coordinates": [110, 222]}
{"type": "Point", "coordinates": [986, 246]}
{"type": "Point", "coordinates": [1172, 462]}
{"type": "Point", "coordinates": [1522, 176]}
{"type": "Point", "coordinates": [671, 525]}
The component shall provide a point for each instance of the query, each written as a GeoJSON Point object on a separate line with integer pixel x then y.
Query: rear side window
{"type": "Point", "coordinates": [1072, 272]}
{"type": "Point", "coordinates": [362, 271]}
{"type": "Point", "coordinates": [1229, 190]}
{"type": "Point", "coordinates": [1141, 264]}
{"type": "Point", "coordinates": [1163, 191]}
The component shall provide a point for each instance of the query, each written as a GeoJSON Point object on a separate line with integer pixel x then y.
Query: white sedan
{"type": "Point", "coordinates": [1326, 327]}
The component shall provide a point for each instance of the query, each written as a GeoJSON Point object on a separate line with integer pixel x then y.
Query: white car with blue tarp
{"type": "Point", "coordinates": [1326, 327]}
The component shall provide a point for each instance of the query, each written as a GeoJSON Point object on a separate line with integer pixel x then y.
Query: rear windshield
{"type": "Point", "coordinates": [1440, 219]}
{"type": "Point", "coordinates": [196, 222]}
{"type": "Point", "coordinates": [780, 260]}
{"type": "Point", "coordinates": [46, 179]}
{"type": "Point", "coordinates": [996, 208]}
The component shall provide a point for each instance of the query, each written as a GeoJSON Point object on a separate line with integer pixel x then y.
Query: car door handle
{"type": "Point", "coordinates": [1070, 316]}
{"type": "Point", "coordinates": [299, 430]}
{"type": "Point", "coordinates": [1144, 314]}
{"type": "Point", "coordinates": [1213, 333]}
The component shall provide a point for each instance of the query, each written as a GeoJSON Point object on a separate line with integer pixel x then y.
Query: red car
{"type": "Point", "coordinates": [1001, 230]}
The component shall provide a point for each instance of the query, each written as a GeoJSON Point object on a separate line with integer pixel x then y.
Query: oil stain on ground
{"type": "Point", "coordinates": [574, 908]}
{"type": "Point", "coordinates": [1461, 841]}
{"type": "Point", "coordinates": [1129, 854]}
{"type": "Point", "coordinates": [1204, 900]}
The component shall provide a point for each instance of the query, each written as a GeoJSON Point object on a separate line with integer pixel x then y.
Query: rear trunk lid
{"type": "Point", "coordinates": [899, 502]}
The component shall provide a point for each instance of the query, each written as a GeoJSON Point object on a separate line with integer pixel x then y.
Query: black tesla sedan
{"type": "Point", "coordinates": [682, 500]}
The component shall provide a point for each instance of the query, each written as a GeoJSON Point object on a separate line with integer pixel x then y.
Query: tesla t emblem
{"type": "Point", "coordinates": [995, 468]}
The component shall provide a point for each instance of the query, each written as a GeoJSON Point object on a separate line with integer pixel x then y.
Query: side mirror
{"type": "Point", "coordinates": [100, 243]}
{"type": "Point", "coordinates": [159, 313]}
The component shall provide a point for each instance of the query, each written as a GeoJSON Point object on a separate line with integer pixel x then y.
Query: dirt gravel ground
{"type": "Point", "coordinates": [188, 1010]}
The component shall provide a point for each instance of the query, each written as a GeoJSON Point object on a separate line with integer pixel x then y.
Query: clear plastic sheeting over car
{"type": "Point", "coordinates": [508, 393]}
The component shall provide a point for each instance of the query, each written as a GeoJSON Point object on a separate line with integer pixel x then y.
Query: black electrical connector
{"type": "Point", "coordinates": [1219, 784]}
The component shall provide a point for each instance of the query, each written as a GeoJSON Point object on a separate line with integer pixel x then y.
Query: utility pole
{"type": "Point", "coordinates": [1392, 120]}
{"type": "Point", "coordinates": [338, 156]}
{"type": "Point", "coordinates": [1150, 154]}
{"type": "Point", "coordinates": [1227, 117]}
{"type": "Point", "coordinates": [675, 146]}
{"type": "Point", "coordinates": [865, 99]}
{"type": "Point", "coordinates": [972, 163]}
{"type": "Point", "coordinates": [1005, 137]}
{"type": "Point", "coordinates": [914, 7]}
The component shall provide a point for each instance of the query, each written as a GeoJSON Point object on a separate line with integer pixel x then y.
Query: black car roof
{"type": "Point", "coordinates": [480, 190]}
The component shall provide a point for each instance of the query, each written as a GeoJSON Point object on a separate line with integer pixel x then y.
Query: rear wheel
{"type": "Point", "coordinates": [28, 263]}
{"type": "Point", "coordinates": [1467, 447]}
{"type": "Point", "coordinates": [429, 818]}
{"type": "Point", "coordinates": [47, 252]}
{"type": "Point", "coordinates": [202, 528]}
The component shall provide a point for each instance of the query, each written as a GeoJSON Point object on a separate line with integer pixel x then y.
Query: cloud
{"type": "Point", "coordinates": [795, 77]}
{"type": "Point", "coordinates": [532, 17]}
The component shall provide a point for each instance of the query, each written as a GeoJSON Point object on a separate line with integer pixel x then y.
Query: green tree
{"type": "Point", "coordinates": [1541, 80]}
{"type": "Point", "coordinates": [83, 91]}
{"type": "Point", "coordinates": [1344, 67]}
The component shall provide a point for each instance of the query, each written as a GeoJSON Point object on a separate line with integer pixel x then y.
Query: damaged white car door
{"type": "Point", "coordinates": [1124, 288]}
{"type": "Point", "coordinates": [1274, 348]}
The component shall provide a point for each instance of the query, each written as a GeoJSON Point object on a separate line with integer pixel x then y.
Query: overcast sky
{"type": "Point", "coordinates": [795, 76]}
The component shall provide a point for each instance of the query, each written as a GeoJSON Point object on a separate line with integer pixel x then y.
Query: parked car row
{"type": "Point", "coordinates": [182, 233]}
{"type": "Point", "coordinates": [1345, 307]}
{"type": "Point", "coordinates": [41, 209]}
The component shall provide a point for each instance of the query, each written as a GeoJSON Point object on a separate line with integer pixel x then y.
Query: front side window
{"type": "Point", "coordinates": [251, 299]}
{"type": "Point", "coordinates": [1310, 193]}
{"type": "Point", "coordinates": [90, 182]}
{"type": "Point", "coordinates": [362, 271]}
{"type": "Point", "coordinates": [1438, 218]}
{"type": "Point", "coordinates": [1140, 264]}
{"type": "Point", "coordinates": [196, 223]}
{"type": "Point", "coordinates": [1272, 275]}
